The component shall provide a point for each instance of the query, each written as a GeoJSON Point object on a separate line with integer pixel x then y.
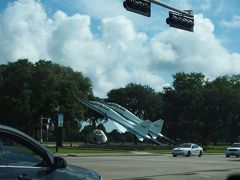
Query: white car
{"type": "Point", "coordinates": [233, 150]}
{"type": "Point", "coordinates": [188, 149]}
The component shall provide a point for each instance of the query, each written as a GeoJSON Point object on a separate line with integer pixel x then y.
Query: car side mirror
{"type": "Point", "coordinates": [59, 162]}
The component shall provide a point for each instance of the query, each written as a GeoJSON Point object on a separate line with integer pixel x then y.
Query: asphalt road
{"type": "Point", "coordinates": [161, 167]}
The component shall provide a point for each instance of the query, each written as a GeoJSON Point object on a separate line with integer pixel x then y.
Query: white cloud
{"type": "Point", "coordinates": [205, 5]}
{"type": "Point", "coordinates": [24, 31]}
{"type": "Point", "coordinates": [101, 8]}
{"type": "Point", "coordinates": [113, 30]}
{"type": "Point", "coordinates": [163, 52]}
{"type": "Point", "coordinates": [72, 42]}
{"type": "Point", "coordinates": [191, 4]}
{"type": "Point", "coordinates": [183, 4]}
{"type": "Point", "coordinates": [233, 23]}
{"type": "Point", "coordinates": [119, 54]}
{"type": "Point", "coordinates": [200, 51]}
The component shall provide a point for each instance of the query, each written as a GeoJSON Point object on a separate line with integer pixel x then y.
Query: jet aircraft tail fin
{"type": "Point", "coordinates": [142, 127]}
{"type": "Point", "coordinates": [156, 128]}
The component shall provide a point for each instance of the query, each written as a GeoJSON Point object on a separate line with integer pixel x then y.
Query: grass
{"type": "Point", "coordinates": [126, 149]}
{"type": "Point", "coordinates": [77, 150]}
{"type": "Point", "coordinates": [215, 149]}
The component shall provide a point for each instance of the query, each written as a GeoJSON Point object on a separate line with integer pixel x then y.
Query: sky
{"type": "Point", "coordinates": [114, 47]}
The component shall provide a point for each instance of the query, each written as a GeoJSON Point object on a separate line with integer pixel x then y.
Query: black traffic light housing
{"type": "Point", "coordinates": [180, 21]}
{"type": "Point", "coordinates": [142, 7]}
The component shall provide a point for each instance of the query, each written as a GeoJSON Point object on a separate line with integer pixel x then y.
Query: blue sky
{"type": "Point", "coordinates": [114, 47]}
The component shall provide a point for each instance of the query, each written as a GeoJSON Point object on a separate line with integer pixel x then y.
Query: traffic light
{"type": "Point", "coordinates": [142, 7]}
{"type": "Point", "coordinates": [180, 21]}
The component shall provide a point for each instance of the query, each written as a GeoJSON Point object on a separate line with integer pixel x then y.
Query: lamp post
{"type": "Point", "coordinates": [47, 127]}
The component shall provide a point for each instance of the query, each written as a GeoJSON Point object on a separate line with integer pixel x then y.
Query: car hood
{"type": "Point", "coordinates": [81, 173]}
{"type": "Point", "coordinates": [181, 149]}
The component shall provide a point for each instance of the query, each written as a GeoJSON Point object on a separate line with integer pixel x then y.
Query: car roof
{"type": "Point", "coordinates": [17, 132]}
{"type": "Point", "coordinates": [191, 144]}
{"type": "Point", "coordinates": [7, 129]}
{"type": "Point", "coordinates": [10, 129]}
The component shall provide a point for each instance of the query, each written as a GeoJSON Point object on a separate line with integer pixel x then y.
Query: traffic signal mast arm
{"type": "Point", "coordinates": [177, 18]}
{"type": "Point", "coordinates": [186, 13]}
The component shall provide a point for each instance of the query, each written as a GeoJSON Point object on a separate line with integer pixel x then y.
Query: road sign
{"type": "Point", "coordinates": [60, 120]}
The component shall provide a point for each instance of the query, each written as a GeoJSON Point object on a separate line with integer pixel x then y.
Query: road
{"type": "Point", "coordinates": [161, 167]}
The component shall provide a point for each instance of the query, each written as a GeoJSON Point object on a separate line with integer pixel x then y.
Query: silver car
{"type": "Point", "coordinates": [233, 150]}
{"type": "Point", "coordinates": [188, 149]}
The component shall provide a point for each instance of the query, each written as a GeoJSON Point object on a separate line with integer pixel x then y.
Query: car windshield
{"type": "Point", "coordinates": [235, 145]}
{"type": "Point", "coordinates": [185, 145]}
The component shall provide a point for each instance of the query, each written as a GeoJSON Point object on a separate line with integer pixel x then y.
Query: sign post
{"type": "Point", "coordinates": [41, 123]}
{"type": "Point", "coordinates": [47, 127]}
{"type": "Point", "coordinates": [60, 126]}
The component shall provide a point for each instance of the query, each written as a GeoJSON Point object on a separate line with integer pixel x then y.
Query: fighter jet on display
{"type": "Point", "coordinates": [140, 130]}
{"type": "Point", "coordinates": [155, 127]}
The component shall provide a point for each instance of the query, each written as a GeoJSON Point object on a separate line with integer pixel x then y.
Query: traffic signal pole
{"type": "Point", "coordinates": [186, 13]}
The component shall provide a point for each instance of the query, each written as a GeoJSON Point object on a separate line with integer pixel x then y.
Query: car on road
{"type": "Point", "coordinates": [187, 149]}
{"type": "Point", "coordinates": [23, 158]}
{"type": "Point", "coordinates": [233, 150]}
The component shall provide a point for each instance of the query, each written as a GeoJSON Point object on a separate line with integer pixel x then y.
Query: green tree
{"type": "Point", "coordinates": [182, 106]}
{"type": "Point", "coordinates": [54, 85]}
{"type": "Point", "coordinates": [201, 110]}
{"type": "Point", "coordinates": [85, 134]}
{"type": "Point", "coordinates": [16, 93]}
{"type": "Point", "coordinates": [101, 127]}
{"type": "Point", "coordinates": [29, 91]}
{"type": "Point", "coordinates": [214, 111]}
{"type": "Point", "coordinates": [115, 136]}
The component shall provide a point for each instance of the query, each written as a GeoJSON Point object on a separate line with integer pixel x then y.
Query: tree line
{"type": "Point", "coordinates": [194, 108]}
{"type": "Point", "coordinates": [31, 90]}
